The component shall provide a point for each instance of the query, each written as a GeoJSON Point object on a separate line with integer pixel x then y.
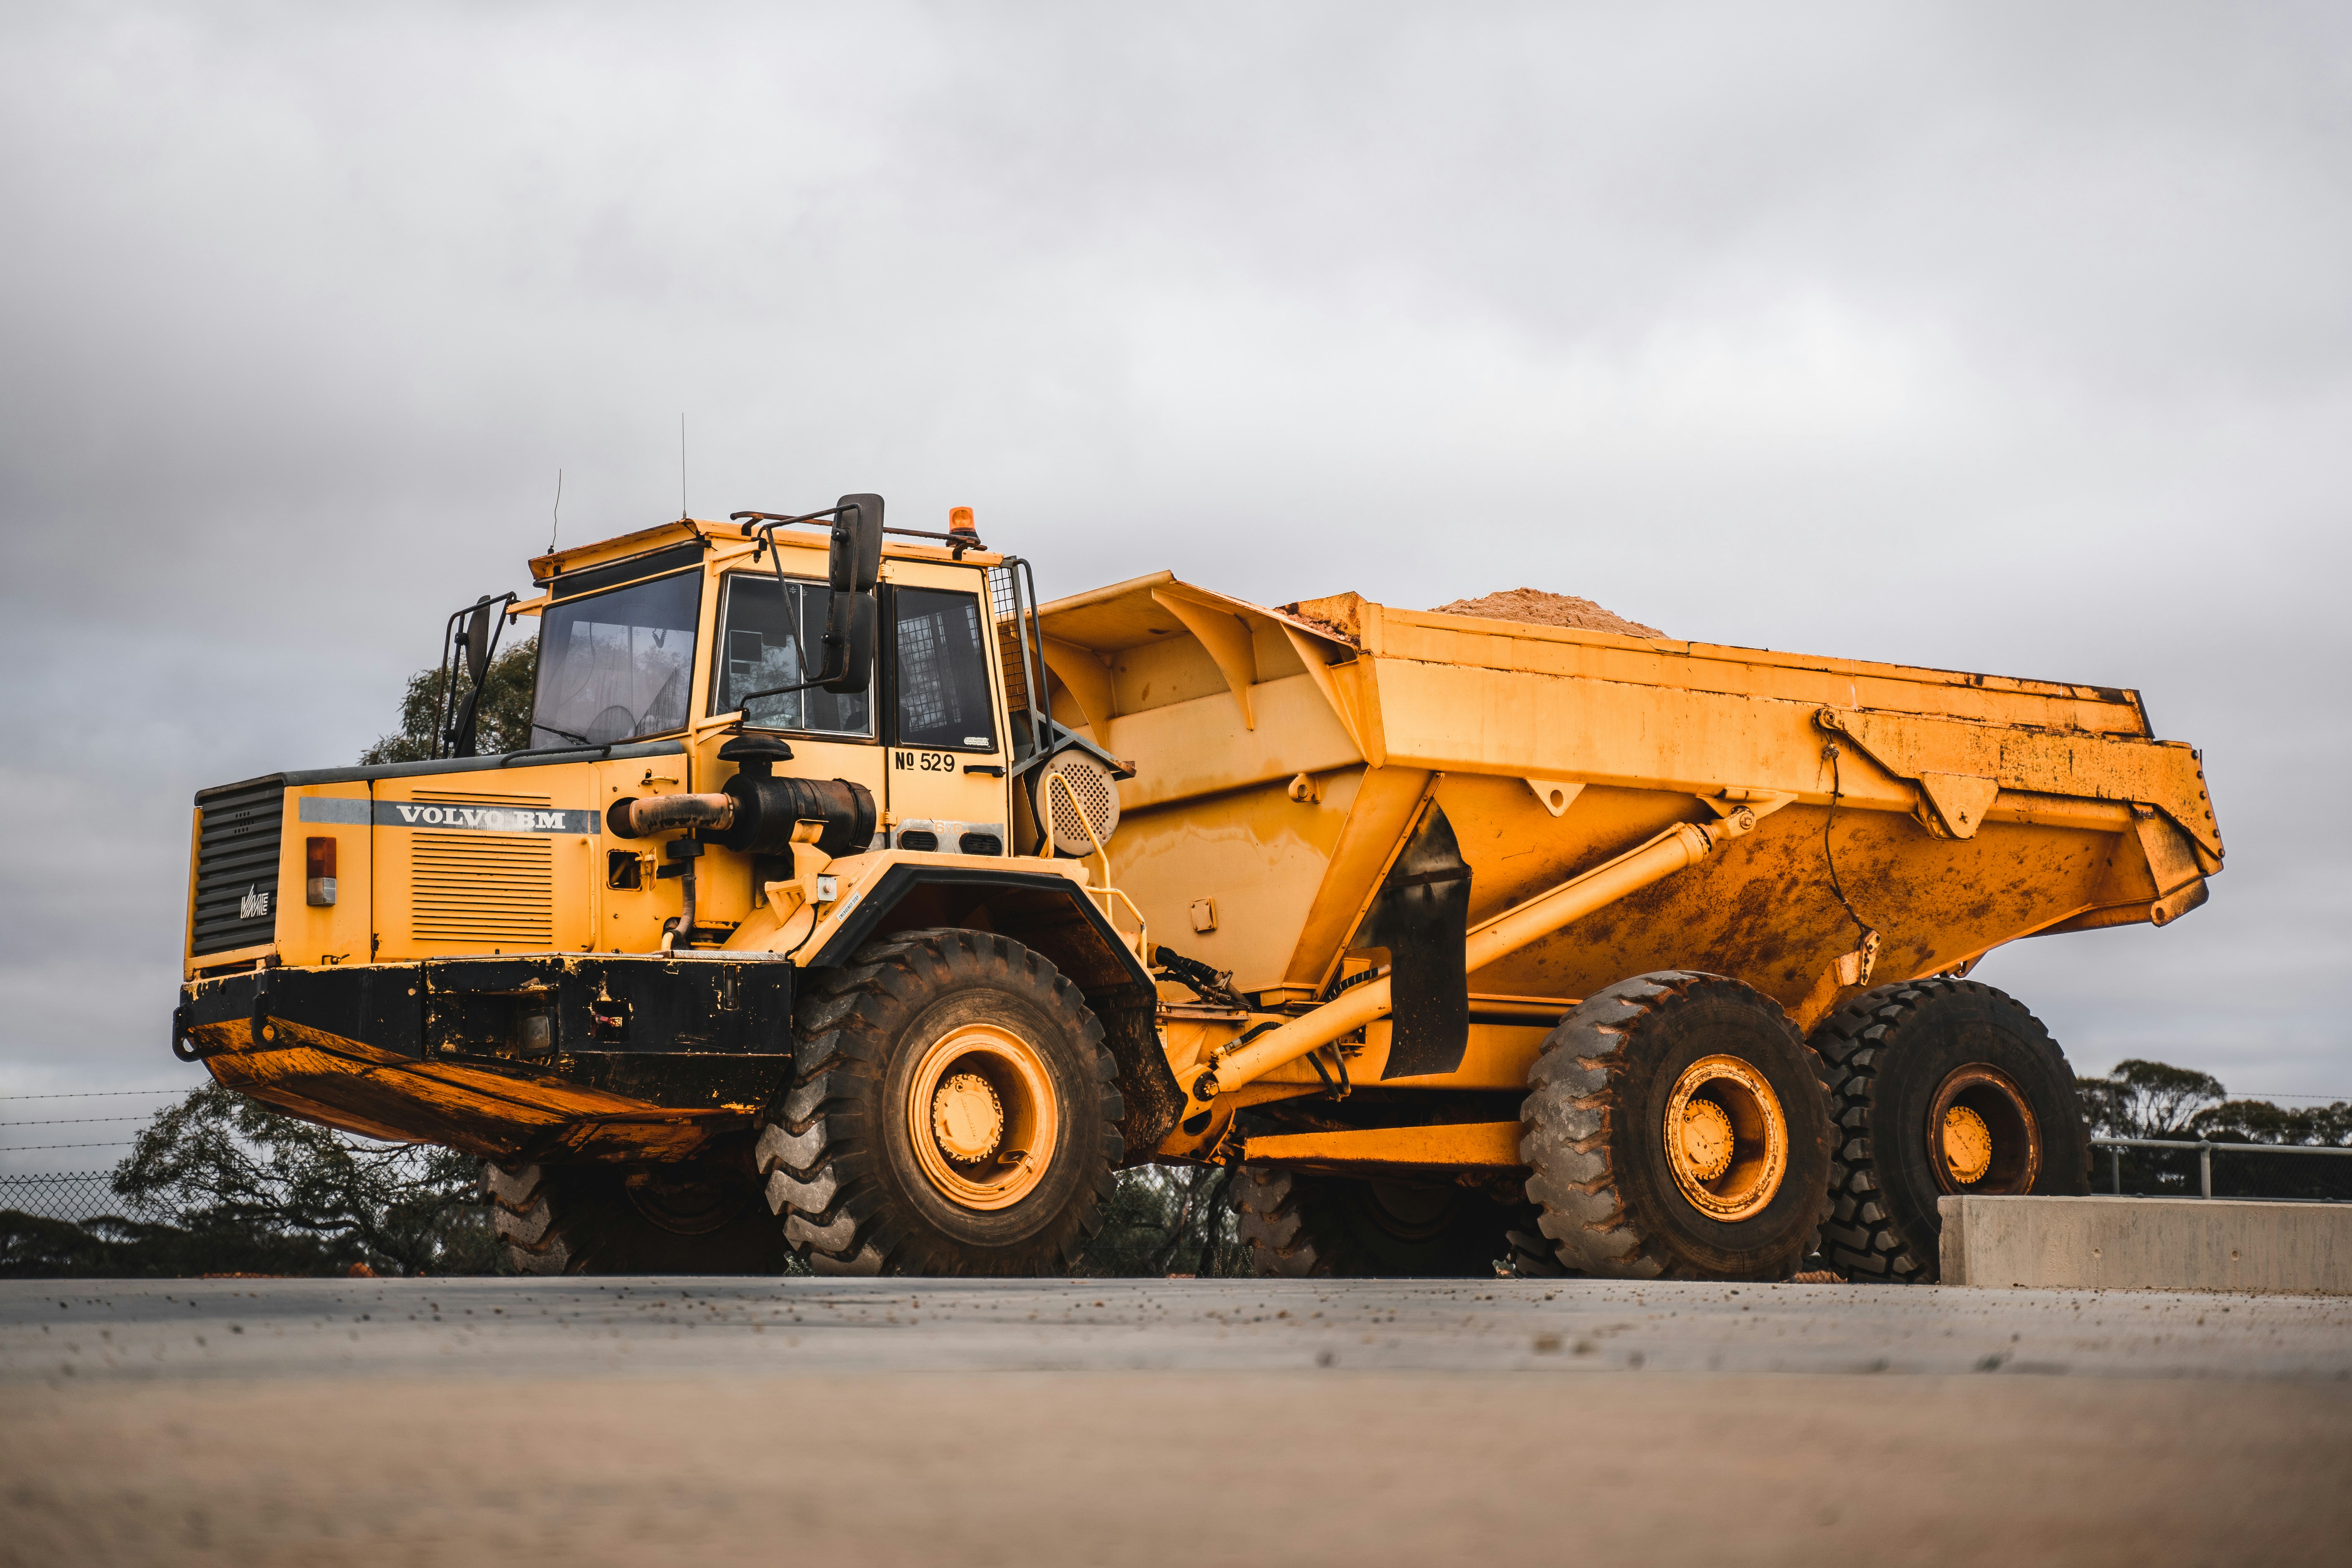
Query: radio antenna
{"type": "Point", "coordinates": [682, 513]}
{"type": "Point", "coordinates": [555, 515]}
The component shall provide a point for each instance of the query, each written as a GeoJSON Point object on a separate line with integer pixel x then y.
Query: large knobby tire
{"type": "Point", "coordinates": [1618, 1202]}
{"type": "Point", "coordinates": [684, 1218]}
{"type": "Point", "coordinates": [869, 1182]}
{"type": "Point", "coordinates": [1900, 1059]}
{"type": "Point", "coordinates": [1300, 1227]}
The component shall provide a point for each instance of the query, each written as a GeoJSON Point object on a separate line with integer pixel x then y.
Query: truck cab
{"type": "Point", "coordinates": [757, 747]}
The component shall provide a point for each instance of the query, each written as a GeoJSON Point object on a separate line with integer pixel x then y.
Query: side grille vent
{"type": "Point", "coordinates": [495, 888]}
{"type": "Point", "coordinates": [237, 866]}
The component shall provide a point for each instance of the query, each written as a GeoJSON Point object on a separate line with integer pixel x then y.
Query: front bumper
{"type": "Point", "coordinates": [555, 1056]}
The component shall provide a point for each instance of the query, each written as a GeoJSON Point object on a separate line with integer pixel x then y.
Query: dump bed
{"type": "Point", "coordinates": [1281, 756]}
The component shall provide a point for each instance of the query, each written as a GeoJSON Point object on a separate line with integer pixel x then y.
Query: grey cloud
{"type": "Point", "coordinates": [1995, 337]}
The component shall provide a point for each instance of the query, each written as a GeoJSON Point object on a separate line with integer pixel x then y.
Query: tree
{"type": "Point", "coordinates": [226, 1165]}
{"type": "Point", "coordinates": [2268, 1176]}
{"type": "Point", "coordinates": [35, 1246]}
{"type": "Point", "coordinates": [502, 722]}
{"type": "Point", "coordinates": [1169, 1219]}
{"type": "Point", "coordinates": [231, 1185]}
{"type": "Point", "coordinates": [2147, 1100]}
{"type": "Point", "coordinates": [2157, 1101]}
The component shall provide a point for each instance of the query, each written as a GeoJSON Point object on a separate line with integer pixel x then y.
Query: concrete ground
{"type": "Point", "coordinates": [1178, 1422]}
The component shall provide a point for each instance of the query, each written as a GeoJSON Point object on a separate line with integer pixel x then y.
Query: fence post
{"type": "Point", "coordinates": [2204, 1169]}
{"type": "Point", "coordinates": [2115, 1161]}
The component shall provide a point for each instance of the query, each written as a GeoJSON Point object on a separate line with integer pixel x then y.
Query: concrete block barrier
{"type": "Point", "coordinates": [2147, 1244]}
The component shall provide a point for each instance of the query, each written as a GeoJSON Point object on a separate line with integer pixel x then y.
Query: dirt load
{"type": "Point", "coordinates": [1536, 608]}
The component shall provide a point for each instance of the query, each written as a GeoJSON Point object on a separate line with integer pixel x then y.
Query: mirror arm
{"type": "Point", "coordinates": [836, 650]}
{"type": "Point", "coordinates": [769, 520]}
{"type": "Point", "coordinates": [836, 654]}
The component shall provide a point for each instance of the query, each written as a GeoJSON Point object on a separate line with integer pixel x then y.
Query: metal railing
{"type": "Point", "coordinates": [1107, 893]}
{"type": "Point", "coordinates": [2115, 1147]}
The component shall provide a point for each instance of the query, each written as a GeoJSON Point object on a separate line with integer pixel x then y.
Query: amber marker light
{"type": "Point", "coordinates": [319, 869]}
{"type": "Point", "coordinates": [959, 522]}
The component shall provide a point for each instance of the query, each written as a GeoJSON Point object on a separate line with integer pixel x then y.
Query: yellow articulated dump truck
{"type": "Point", "coordinates": [849, 901]}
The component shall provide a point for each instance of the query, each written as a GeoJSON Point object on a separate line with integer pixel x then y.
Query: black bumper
{"type": "Point", "coordinates": [687, 1033]}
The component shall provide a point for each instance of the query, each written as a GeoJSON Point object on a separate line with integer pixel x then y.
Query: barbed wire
{"type": "Point", "coordinates": [37, 1148]}
{"type": "Point", "coordinates": [96, 1094]}
{"type": "Point", "coordinates": [71, 1121]}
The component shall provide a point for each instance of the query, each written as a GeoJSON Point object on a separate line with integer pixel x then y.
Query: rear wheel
{"type": "Point", "coordinates": [953, 1114]}
{"type": "Point", "coordinates": [1301, 1226]}
{"type": "Point", "coordinates": [682, 1218]}
{"type": "Point", "coordinates": [1678, 1128]}
{"type": "Point", "coordinates": [1939, 1087]}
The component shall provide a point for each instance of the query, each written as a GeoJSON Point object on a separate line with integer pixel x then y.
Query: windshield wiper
{"type": "Point", "coordinates": [567, 735]}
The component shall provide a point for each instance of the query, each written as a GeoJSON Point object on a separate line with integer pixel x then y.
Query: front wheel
{"type": "Point", "coordinates": [1678, 1128]}
{"type": "Point", "coordinates": [952, 1113]}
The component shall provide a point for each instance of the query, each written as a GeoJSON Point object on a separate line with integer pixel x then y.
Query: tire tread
{"type": "Point", "coordinates": [816, 1153]}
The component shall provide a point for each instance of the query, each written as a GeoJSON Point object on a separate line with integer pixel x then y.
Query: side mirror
{"type": "Point", "coordinates": [853, 567]}
{"type": "Point", "coordinates": [478, 638]}
{"type": "Point", "coordinates": [849, 638]}
{"type": "Point", "coordinates": [855, 564]}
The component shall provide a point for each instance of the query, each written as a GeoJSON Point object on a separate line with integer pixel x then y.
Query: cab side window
{"type": "Point", "coordinates": [939, 673]}
{"type": "Point", "coordinates": [771, 637]}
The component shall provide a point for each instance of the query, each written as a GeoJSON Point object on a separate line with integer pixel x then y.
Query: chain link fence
{"type": "Point", "coordinates": [72, 1197]}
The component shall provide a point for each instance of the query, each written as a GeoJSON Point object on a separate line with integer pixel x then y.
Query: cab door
{"type": "Point", "coordinates": [945, 732]}
{"type": "Point", "coordinates": [770, 628]}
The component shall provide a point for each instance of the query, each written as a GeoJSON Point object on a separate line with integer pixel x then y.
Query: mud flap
{"type": "Point", "coordinates": [1422, 916]}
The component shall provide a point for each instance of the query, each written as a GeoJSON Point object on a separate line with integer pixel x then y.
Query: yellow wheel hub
{"type": "Point", "coordinates": [1967, 1144]}
{"type": "Point", "coordinates": [966, 1117]}
{"type": "Point", "coordinates": [1983, 1134]}
{"type": "Point", "coordinates": [1706, 1139]}
{"type": "Point", "coordinates": [982, 1115]}
{"type": "Point", "coordinates": [1727, 1138]}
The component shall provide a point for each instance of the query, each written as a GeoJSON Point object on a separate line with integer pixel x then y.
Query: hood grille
{"type": "Point", "coordinates": [495, 888]}
{"type": "Point", "coordinates": [237, 866]}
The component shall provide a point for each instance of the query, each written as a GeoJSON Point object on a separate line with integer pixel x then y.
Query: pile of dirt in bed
{"type": "Point", "coordinates": [1539, 608]}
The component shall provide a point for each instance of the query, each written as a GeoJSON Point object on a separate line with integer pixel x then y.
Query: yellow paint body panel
{"type": "Point", "coordinates": [1964, 811]}
{"type": "Point", "coordinates": [1460, 1145]}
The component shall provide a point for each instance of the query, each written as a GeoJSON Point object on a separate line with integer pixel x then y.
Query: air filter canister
{"type": "Point", "coordinates": [1091, 800]}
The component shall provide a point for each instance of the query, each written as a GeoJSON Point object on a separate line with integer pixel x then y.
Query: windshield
{"type": "Point", "coordinates": [613, 667]}
{"type": "Point", "coordinates": [771, 637]}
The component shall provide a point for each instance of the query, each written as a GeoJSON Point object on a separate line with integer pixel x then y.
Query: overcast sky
{"type": "Point", "coordinates": [2014, 339]}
